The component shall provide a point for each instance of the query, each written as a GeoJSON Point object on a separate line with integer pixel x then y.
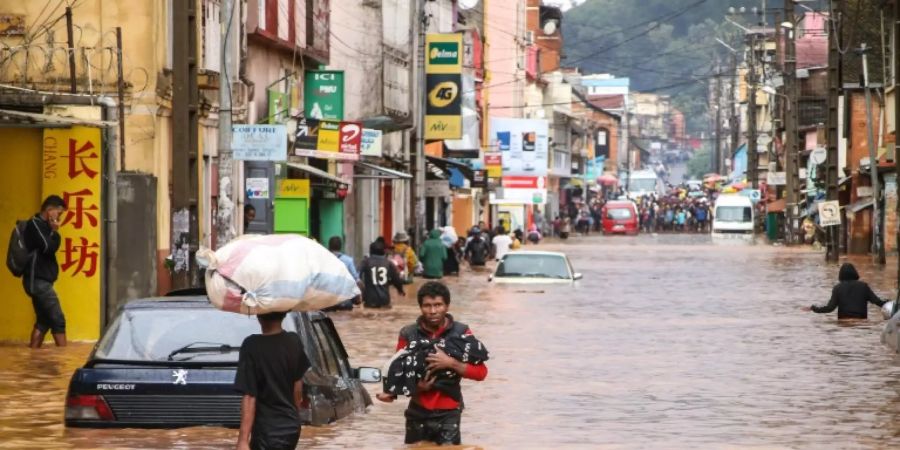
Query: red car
{"type": "Point", "coordinates": [620, 217]}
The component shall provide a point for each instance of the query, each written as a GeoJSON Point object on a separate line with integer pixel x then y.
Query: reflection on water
{"type": "Point", "coordinates": [670, 341]}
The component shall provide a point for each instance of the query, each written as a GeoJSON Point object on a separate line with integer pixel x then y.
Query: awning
{"type": "Point", "coordinates": [445, 164]}
{"type": "Point", "coordinates": [23, 117]}
{"type": "Point", "coordinates": [380, 172]}
{"type": "Point", "coordinates": [317, 173]}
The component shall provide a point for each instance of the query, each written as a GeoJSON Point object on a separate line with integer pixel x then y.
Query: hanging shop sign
{"type": "Point", "coordinates": [371, 143]}
{"type": "Point", "coordinates": [259, 142]}
{"type": "Point", "coordinates": [524, 144]}
{"type": "Point", "coordinates": [323, 94]}
{"type": "Point", "coordinates": [493, 163]}
{"type": "Point", "coordinates": [479, 179]}
{"type": "Point", "coordinates": [829, 213]}
{"type": "Point", "coordinates": [73, 170]}
{"type": "Point", "coordinates": [328, 139]}
{"type": "Point", "coordinates": [443, 83]}
{"type": "Point", "coordinates": [437, 188]}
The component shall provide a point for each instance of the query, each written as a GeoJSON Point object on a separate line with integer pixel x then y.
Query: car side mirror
{"type": "Point", "coordinates": [368, 374]}
{"type": "Point", "coordinates": [577, 276]}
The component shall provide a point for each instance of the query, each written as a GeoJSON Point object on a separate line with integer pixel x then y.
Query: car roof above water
{"type": "Point", "coordinates": [168, 303]}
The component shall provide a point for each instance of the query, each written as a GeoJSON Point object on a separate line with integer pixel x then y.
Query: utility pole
{"type": "Point", "coordinates": [735, 122]}
{"type": "Point", "coordinates": [877, 238]}
{"type": "Point", "coordinates": [70, 42]}
{"type": "Point", "coordinates": [418, 192]}
{"type": "Point", "coordinates": [792, 158]}
{"type": "Point", "coordinates": [227, 183]}
{"type": "Point", "coordinates": [895, 72]}
{"type": "Point", "coordinates": [717, 151]}
{"type": "Point", "coordinates": [185, 116]}
{"type": "Point", "coordinates": [834, 26]}
{"type": "Point", "coordinates": [752, 155]}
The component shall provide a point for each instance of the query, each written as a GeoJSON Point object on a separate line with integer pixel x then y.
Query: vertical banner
{"type": "Point", "coordinates": [443, 84]}
{"type": "Point", "coordinates": [323, 94]}
{"type": "Point", "coordinates": [73, 169]}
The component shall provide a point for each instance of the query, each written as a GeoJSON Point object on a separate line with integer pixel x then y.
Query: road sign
{"type": "Point", "coordinates": [829, 213]}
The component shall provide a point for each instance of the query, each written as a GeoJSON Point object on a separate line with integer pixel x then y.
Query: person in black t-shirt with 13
{"type": "Point", "coordinates": [270, 373]}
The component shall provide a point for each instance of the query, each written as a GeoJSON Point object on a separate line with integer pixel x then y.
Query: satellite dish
{"type": "Point", "coordinates": [467, 4]}
{"type": "Point", "coordinates": [550, 27]}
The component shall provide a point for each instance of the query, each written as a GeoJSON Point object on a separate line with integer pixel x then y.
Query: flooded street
{"type": "Point", "coordinates": [668, 342]}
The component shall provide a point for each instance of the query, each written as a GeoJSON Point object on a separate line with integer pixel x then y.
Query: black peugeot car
{"type": "Point", "coordinates": [170, 362]}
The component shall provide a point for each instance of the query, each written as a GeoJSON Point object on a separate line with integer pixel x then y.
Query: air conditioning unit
{"type": "Point", "coordinates": [529, 38]}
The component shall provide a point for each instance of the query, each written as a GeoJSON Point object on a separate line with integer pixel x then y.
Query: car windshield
{"type": "Point", "coordinates": [530, 265]}
{"type": "Point", "coordinates": [618, 213]}
{"type": "Point", "coordinates": [734, 214]}
{"type": "Point", "coordinates": [642, 184]}
{"type": "Point", "coordinates": [179, 334]}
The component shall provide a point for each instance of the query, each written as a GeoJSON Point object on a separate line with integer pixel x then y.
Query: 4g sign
{"type": "Point", "coordinates": [443, 68]}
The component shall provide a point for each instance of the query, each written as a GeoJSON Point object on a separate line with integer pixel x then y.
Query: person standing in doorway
{"type": "Point", "coordinates": [433, 254]}
{"type": "Point", "coordinates": [249, 216]}
{"type": "Point", "coordinates": [42, 239]}
{"type": "Point", "coordinates": [378, 274]}
{"type": "Point", "coordinates": [435, 412]}
{"type": "Point", "coordinates": [270, 373]}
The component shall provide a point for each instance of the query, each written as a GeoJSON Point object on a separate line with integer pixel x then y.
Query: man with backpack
{"type": "Point", "coordinates": [477, 250]}
{"type": "Point", "coordinates": [42, 240]}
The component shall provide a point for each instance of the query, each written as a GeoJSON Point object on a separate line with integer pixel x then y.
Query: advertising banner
{"type": "Point", "coordinates": [493, 163]}
{"type": "Point", "coordinates": [259, 142]}
{"type": "Point", "coordinates": [73, 170]}
{"type": "Point", "coordinates": [443, 83]}
{"type": "Point", "coordinates": [524, 144]}
{"type": "Point", "coordinates": [323, 94]}
{"type": "Point", "coordinates": [328, 139]}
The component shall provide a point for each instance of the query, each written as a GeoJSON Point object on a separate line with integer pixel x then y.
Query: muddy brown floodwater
{"type": "Point", "coordinates": [668, 342]}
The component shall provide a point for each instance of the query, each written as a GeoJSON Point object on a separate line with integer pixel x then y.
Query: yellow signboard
{"type": "Point", "coordinates": [73, 169]}
{"type": "Point", "coordinates": [443, 127]}
{"type": "Point", "coordinates": [293, 188]}
{"type": "Point", "coordinates": [443, 53]}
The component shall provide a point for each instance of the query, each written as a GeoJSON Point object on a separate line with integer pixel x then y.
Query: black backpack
{"type": "Point", "coordinates": [18, 257]}
{"type": "Point", "coordinates": [479, 249]}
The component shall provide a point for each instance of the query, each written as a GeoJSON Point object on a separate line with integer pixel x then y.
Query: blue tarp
{"type": "Point", "coordinates": [740, 164]}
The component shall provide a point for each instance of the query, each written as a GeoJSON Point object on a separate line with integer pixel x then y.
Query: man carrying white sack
{"type": "Point", "coordinates": [270, 373]}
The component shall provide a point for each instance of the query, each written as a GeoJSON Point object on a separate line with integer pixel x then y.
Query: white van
{"type": "Point", "coordinates": [733, 214]}
{"type": "Point", "coordinates": [643, 182]}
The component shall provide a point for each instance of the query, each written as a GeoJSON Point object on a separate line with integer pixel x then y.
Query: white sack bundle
{"type": "Point", "coordinates": [258, 274]}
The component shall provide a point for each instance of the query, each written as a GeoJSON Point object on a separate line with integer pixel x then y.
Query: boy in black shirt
{"type": "Point", "coordinates": [378, 274]}
{"type": "Point", "coordinates": [270, 373]}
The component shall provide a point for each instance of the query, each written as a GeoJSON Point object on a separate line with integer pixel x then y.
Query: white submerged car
{"type": "Point", "coordinates": [534, 267]}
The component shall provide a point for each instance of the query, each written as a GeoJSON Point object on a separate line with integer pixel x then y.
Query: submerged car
{"type": "Point", "coordinates": [534, 267]}
{"type": "Point", "coordinates": [171, 362]}
{"type": "Point", "coordinates": [890, 335]}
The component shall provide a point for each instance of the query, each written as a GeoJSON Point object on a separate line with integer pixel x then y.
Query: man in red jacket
{"type": "Point", "coordinates": [434, 415]}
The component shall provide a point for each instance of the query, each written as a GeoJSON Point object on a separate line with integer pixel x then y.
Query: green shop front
{"type": "Point", "coordinates": [310, 201]}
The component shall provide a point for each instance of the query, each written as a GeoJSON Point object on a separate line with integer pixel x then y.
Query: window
{"type": "Point", "coordinates": [642, 184]}
{"type": "Point", "coordinates": [618, 213]}
{"type": "Point", "coordinates": [539, 266]}
{"type": "Point", "coordinates": [734, 214]}
{"type": "Point", "coordinates": [152, 334]}
{"type": "Point", "coordinates": [332, 367]}
{"type": "Point", "coordinates": [212, 36]}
